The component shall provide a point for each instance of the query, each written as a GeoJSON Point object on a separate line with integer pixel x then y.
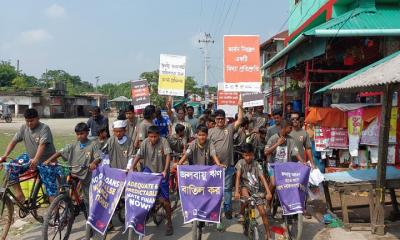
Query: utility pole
{"type": "Point", "coordinates": [207, 39]}
{"type": "Point", "coordinates": [97, 83]}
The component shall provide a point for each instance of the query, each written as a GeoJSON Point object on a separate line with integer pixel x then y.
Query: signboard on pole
{"type": "Point", "coordinates": [252, 99]}
{"type": "Point", "coordinates": [140, 94]}
{"type": "Point", "coordinates": [171, 80]}
{"type": "Point", "coordinates": [242, 63]}
{"type": "Point", "coordinates": [227, 101]}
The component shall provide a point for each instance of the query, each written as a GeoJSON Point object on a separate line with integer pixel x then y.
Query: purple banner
{"type": "Point", "coordinates": [201, 189]}
{"type": "Point", "coordinates": [140, 195]}
{"type": "Point", "coordinates": [105, 191]}
{"type": "Point", "coordinates": [291, 180]}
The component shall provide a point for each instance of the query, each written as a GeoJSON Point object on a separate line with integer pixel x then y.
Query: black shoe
{"type": "Point", "coordinates": [228, 215]}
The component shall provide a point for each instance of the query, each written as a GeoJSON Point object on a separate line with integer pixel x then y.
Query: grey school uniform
{"type": "Point", "coordinates": [272, 131]}
{"type": "Point", "coordinates": [176, 143]}
{"type": "Point", "coordinates": [154, 156]}
{"type": "Point", "coordinates": [223, 142]}
{"type": "Point", "coordinates": [302, 140]}
{"type": "Point", "coordinates": [250, 178]}
{"type": "Point", "coordinates": [131, 128]}
{"type": "Point", "coordinates": [120, 153]}
{"type": "Point", "coordinates": [32, 138]}
{"type": "Point", "coordinates": [142, 129]}
{"type": "Point", "coordinates": [286, 152]}
{"type": "Point", "coordinates": [81, 156]}
{"type": "Point", "coordinates": [201, 155]}
{"type": "Point", "coordinates": [188, 127]}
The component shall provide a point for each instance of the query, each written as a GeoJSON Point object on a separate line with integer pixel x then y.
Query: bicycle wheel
{"type": "Point", "coordinates": [121, 211]}
{"type": "Point", "coordinates": [275, 204]}
{"type": "Point", "coordinates": [294, 225]}
{"type": "Point", "coordinates": [197, 230]}
{"type": "Point", "coordinates": [59, 218]}
{"type": "Point", "coordinates": [6, 217]}
{"type": "Point", "coordinates": [159, 214]}
{"type": "Point", "coordinates": [37, 200]}
{"type": "Point", "coordinates": [254, 232]}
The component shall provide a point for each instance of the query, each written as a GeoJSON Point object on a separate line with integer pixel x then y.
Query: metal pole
{"type": "Point", "coordinates": [206, 41]}
{"type": "Point", "coordinates": [307, 87]}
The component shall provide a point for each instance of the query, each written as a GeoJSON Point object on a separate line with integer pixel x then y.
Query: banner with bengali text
{"type": "Point", "coordinates": [242, 63]}
{"type": "Point", "coordinates": [171, 80]}
{"type": "Point", "coordinates": [201, 189]}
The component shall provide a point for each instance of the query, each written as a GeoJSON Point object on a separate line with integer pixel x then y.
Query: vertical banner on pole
{"type": "Point", "coordinates": [171, 80]}
{"type": "Point", "coordinates": [227, 101]}
{"type": "Point", "coordinates": [140, 94]}
{"type": "Point", "coordinates": [242, 63]}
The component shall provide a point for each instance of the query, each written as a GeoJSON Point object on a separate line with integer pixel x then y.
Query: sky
{"type": "Point", "coordinates": [117, 40]}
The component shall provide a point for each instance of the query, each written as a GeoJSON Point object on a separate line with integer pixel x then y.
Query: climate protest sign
{"type": "Point", "coordinates": [291, 180]}
{"type": "Point", "coordinates": [140, 195]}
{"type": "Point", "coordinates": [201, 189]}
{"type": "Point", "coordinates": [105, 191]}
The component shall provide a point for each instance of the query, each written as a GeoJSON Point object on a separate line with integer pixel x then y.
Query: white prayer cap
{"type": "Point", "coordinates": [120, 124]}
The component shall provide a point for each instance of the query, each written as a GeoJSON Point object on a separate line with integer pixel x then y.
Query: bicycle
{"type": "Point", "coordinates": [250, 224]}
{"type": "Point", "coordinates": [173, 182]}
{"type": "Point", "coordinates": [70, 204]}
{"type": "Point", "coordinates": [27, 207]}
{"type": "Point", "coordinates": [197, 229]}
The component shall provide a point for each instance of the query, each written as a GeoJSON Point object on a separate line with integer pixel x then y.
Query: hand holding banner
{"type": "Point", "coordinates": [201, 189]}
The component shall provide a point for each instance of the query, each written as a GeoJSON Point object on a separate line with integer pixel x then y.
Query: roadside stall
{"type": "Point", "coordinates": [358, 142]}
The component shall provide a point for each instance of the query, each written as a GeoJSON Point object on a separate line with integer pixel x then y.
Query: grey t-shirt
{"type": "Point", "coordinates": [272, 131]}
{"type": "Point", "coordinates": [188, 127]}
{"type": "Point", "coordinates": [120, 153]}
{"type": "Point", "coordinates": [249, 174]}
{"type": "Point", "coordinates": [131, 128]}
{"type": "Point", "coordinates": [301, 139]}
{"type": "Point", "coordinates": [142, 129]}
{"type": "Point", "coordinates": [200, 155]}
{"type": "Point", "coordinates": [194, 122]}
{"type": "Point", "coordinates": [78, 155]}
{"type": "Point", "coordinates": [223, 142]}
{"type": "Point", "coordinates": [32, 138]}
{"type": "Point", "coordinates": [286, 152]}
{"type": "Point", "coordinates": [176, 143]}
{"type": "Point", "coordinates": [154, 156]}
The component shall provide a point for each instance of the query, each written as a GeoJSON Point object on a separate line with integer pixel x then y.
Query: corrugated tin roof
{"type": "Point", "coordinates": [384, 71]}
{"type": "Point", "coordinates": [361, 18]}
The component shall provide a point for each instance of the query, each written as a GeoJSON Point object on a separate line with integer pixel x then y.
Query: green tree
{"type": "Point", "coordinates": [20, 82]}
{"type": "Point", "coordinates": [7, 74]}
{"type": "Point", "coordinates": [73, 83]}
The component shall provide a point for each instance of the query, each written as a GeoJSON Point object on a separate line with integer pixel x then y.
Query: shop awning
{"type": "Point", "coordinates": [360, 22]}
{"type": "Point", "coordinates": [384, 71]}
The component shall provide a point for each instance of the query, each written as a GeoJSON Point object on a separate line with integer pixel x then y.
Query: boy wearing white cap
{"type": "Point", "coordinates": [120, 147]}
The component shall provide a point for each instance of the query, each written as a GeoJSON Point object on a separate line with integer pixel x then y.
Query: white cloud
{"type": "Point", "coordinates": [34, 36]}
{"type": "Point", "coordinates": [55, 11]}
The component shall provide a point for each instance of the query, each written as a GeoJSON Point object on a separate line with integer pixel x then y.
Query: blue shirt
{"type": "Point", "coordinates": [162, 124]}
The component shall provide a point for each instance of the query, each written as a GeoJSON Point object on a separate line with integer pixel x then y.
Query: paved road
{"type": "Point", "coordinates": [32, 230]}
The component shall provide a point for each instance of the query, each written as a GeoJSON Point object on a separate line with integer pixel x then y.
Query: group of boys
{"type": "Point", "coordinates": [149, 142]}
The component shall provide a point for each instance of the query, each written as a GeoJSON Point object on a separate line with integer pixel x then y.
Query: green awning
{"type": "Point", "coordinates": [380, 21]}
{"type": "Point", "coordinates": [374, 81]}
{"type": "Point", "coordinates": [362, 20]}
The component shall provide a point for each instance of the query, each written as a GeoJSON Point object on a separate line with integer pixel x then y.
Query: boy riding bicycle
{"type": "Point", "coordinates": [155, 152]}
{"type": "Point", "coordinates": [249, 173]}
{"type": "Point", "coordinates": [83, 152]}
{"type": "Point", "coordinates": [38, 142]}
